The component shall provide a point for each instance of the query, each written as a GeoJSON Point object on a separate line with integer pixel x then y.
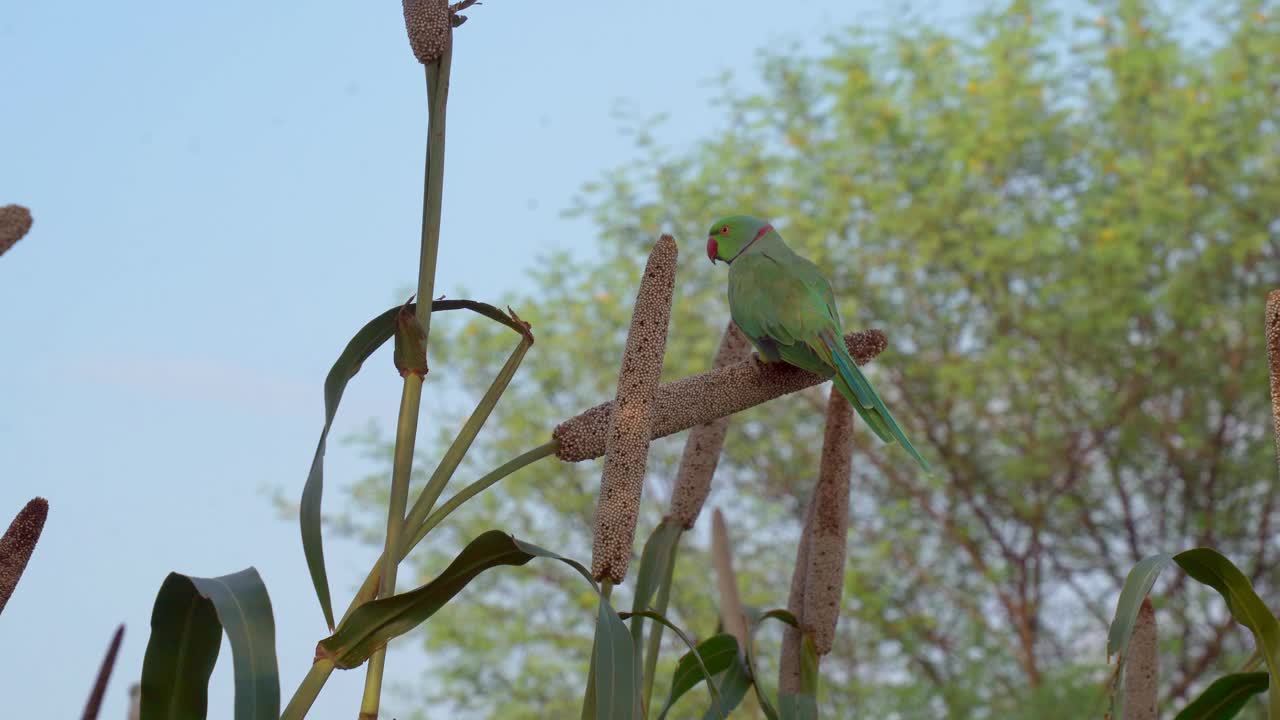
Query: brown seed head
{"type": "Point", "coordinates": [705, 441]}
{"type": "Point", "coordinates": [704, 397]}
{"type": "Point", "coordinates": [1142, 668]}
{"type": "Point", "coordinates": [829, 526]}
{"type": "Point", "coordinates": [94, 705]}
{"type": "Point", "coordinates": [429, 27]}
{"type": "Point", "coordinates": [789, 664]}
{"type": "Point", "coordinates": [1273, 354]}
{"type": "Point", "coordinates": [18, 542]}
{"type": "Point", "coordinates": [731, 612]}
{"type": "Point", "coordinates": [627, 439]}
{"type": "Point", "coordinates": [15, 221]}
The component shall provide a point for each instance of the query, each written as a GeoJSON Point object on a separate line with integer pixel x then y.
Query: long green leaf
{"type": "Point", "coordinates": [1213, 569]}
{"type": "Point", "coordinates": [368, 339]}
{"type": "Point", "coordinates": [1225, 697]}
{"type": "Point", "coordinates": [706, 673]}
{"type": "Point", "coordinates": [1137, 585]}
{"type": "Point", "coordinates": [654, 646]}
{"type": "Point", "coordinates": [375, 623]}
{"type": "Point", "coordinates": [734, 684]}
{"type": "Point", "coordinates": [187, 621]}
{"type": "Point", "coordinates": [717, 653]}
{"type": "Point", "coordinates": [655, 568]}
{"type": "Point", "coordinates": [653, 564]}
{"type": "Point", "coordinates": [611, 654]}
{"type": "Point", "coordinates": [617, 693]}
{"type": "Point", "coordinates": [782, 616]}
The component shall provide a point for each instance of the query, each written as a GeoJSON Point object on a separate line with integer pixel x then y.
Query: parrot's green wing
{"type": "Point", "coordinates": [767, 303]}
{"type": "Point", "coordinates": [786, 308]}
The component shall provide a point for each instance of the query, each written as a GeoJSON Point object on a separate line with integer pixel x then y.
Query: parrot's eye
{"type": "Point", "coordinates": [724, 230]}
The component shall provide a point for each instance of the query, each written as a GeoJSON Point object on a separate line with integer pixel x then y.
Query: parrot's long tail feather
{"type": "Point", "coordinates": [869, 415]}
{"type": "Point", "coordinates": [855, 388]}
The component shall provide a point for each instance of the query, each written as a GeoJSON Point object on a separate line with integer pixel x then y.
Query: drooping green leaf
{"type": "Point", "coordinates": [1225, 697]}
{"type": "Point", "coordinates": [373, 624]}
{"type": "Point", "coordinates": [734, 684]}
{"type": "Point", "coordinates": [735, 676]}
{"type": "Point", "coordinates": [1213, 569]}
{"type": "Point", "coordinates": [1137, 586]}
{"type": "Point", "coordinates": [184, 643]}
{"type": "Point", "coordinates": [187, 621]}
{"type": "Point", "coordinates": [367, 340]}
{"type": "Point", "coordinates": [780, 615]}
{"type": "Point", "coordinates": [717, 653]}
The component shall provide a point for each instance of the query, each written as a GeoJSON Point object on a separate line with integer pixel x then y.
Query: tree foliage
{"type": "Point", "coordinates": [1067, 228]}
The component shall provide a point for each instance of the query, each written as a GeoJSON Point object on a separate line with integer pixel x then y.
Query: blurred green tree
{"type": "Point", "coordinates": [1067, 227]}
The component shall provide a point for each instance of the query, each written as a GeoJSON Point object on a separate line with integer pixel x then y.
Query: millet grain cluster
{"type": "Point", "coordinates": [704, 397]}
{"type": "Point", "coordinates": [705, 441]}
{"type": "Point", "coordinates": [628, 429]}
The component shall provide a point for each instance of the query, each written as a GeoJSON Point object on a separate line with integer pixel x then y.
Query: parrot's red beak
{"type": "Point", "coordinates": [712, 249]}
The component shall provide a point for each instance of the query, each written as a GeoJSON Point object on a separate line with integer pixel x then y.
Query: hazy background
{"type": "Point", "coordinates": [223, 193]}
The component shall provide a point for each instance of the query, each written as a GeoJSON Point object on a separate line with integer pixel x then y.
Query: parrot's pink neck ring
{"type": "Point", "coordinates": [759, 234]}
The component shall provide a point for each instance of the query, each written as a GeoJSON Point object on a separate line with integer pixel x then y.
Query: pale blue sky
{"type": "Point", "coordinates": [223, 192]}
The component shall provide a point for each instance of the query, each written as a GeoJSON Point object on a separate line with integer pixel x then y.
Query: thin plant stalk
{"type": "Point", "coordinates": [453, 457]}
{"type": "Point", "coordinates": [437, 76]}
{"type": "Point", "coordinates": [308, 690]}
{"type": "Point", "coordinates": [402, 465]}
{"type": "Point", "coordinates": [367, 589]}
{"type": "Point", "coordinates": [544, 450]}
{"type": "Point", "coordinates": [1252, 662]}
{"type": "Point", "coordinates": [433, 183]}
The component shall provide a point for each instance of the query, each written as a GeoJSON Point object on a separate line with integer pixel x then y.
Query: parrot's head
{"type": "Point", "coordinates": [729, 236]}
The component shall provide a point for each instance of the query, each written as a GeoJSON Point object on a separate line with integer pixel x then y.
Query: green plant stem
{"type": "Point", "coordinates": [401, 467]}
{"type": "Point", "coordinates": [367, 589]}
{"type": "Point", "coordinates": [437, 75]}
{"type": "Point", "coordinates": [655, 632]}
{"type": "Point", "coordinates": [462, 442]}
{"type": "Point", "coordinates": [1253, 662]}
{"type": "Point", "coordinates": [433, 183]}
{"type": "Point", "coordinates": [308, 690]}
{"type": "Point", "coordinates": [476, 488]}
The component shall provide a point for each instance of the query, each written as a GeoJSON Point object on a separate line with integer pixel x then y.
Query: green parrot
{"type": "Point", "coordinates": [785, 307]}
